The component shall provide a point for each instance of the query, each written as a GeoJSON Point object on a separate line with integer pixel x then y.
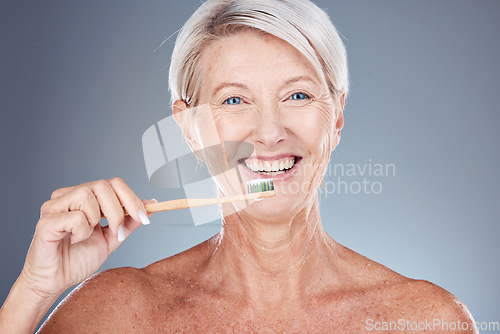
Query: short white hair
{"type": "Point", "coordinates": [300, 23]}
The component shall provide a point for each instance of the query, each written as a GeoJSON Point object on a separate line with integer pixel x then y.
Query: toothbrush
{"type": "Point", "coordinates": [256, 189]}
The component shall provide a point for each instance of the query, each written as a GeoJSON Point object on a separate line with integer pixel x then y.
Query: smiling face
{"type": "Point", "coordinates": [258, 89]}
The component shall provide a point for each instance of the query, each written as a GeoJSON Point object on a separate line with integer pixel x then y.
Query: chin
{"type": "Point", "coordinates": [274, 209]}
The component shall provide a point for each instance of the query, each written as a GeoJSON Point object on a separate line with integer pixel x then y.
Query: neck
{"type": "Point", "coordinates": [274, 262]}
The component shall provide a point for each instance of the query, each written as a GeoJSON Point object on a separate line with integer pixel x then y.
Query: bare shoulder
{"type": "Point", "coordinates": [125, 298]}
{"type": "Point", "coordinates": [100, 303]}
{"type": "Point", "coordinates": [184, 263]}
{"type": "Point", "coordinates": [392, 297]}
{"type": "Point", "coordinates": [423, 301]}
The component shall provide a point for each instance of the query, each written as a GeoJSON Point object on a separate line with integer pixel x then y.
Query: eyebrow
{"type": "Point", "coordinates": [298, 78]}
{"type": "Point", "coordinates": [243, 86]}
{"type": "Point", "coordinates": [229, 84]}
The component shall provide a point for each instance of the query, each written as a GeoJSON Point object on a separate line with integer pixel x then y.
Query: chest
{"type": "Point", "coordinates": [212, 315]}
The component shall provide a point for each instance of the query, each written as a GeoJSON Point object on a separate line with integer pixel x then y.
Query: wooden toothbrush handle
{"type": "Point", "coordinates": [195, 202]}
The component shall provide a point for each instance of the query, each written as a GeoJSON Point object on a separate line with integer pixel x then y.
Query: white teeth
{"type": "Point", "coordinates": [276, 166]}
{"type": "Point", "coordinates": [267, 166]}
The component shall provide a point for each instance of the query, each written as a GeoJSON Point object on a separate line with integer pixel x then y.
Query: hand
{"type": "Point", "coordinates": [69, 244]}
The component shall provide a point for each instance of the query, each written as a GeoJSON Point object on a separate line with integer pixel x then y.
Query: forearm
{"type": "Point", "coordinates": [23, 309]}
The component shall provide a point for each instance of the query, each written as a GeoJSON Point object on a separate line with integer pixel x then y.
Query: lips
{"type": "Point", "coordinates": [271, 165]}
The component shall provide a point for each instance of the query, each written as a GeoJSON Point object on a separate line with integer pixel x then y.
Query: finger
{"type": "Point", "coordinates": [59, 192]}
{"type": "Point", "coordinates": [109, 204]}
{"type": "Point", "coordinates": [149, 201]}
{"type": "Point", "coordinates": [130, 225]}
{"type": "Point", "coordinates": [55, 227]}
{"type": "Point", "coordinates": [130, 201]}
{"type": "Point", "coordinates": [79, 198]}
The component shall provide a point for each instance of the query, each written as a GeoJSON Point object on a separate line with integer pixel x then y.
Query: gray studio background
{"type": "Point", "coordinates": [82, 80]}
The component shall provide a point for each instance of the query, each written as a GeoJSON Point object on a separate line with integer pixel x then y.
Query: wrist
{"type": "Point", "coordinates": [24, 307]}
{"type": "Point", "coordinates": [36, 290]}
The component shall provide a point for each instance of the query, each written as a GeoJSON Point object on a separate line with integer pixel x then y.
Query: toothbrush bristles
{"type": "Point", "coordinates": [260, 185]}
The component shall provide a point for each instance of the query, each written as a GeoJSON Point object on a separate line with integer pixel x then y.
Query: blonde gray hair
{"type": "Point", "coordinates": [298, 22]}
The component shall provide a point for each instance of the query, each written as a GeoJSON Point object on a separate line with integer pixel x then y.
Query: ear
{"type": "Point", "coordinates": [339, 124]}
{"type": "Point", "coordinates": [180, 110]}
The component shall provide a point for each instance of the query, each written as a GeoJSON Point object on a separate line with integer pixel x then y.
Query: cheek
{"type": "Point", "coordinates": [213, 127]}
{"type": "Point", "coordinates": [234, 127]}
{"type": "Point", "coordinates": [222, 138]}
{"type": "Point", "coordinates": [313, 127]}
{"type": "Point", "coordinates": [205, 127]}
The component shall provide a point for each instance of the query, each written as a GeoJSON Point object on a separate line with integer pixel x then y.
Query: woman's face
{"type": "Point", "coordinates": [258, 89]}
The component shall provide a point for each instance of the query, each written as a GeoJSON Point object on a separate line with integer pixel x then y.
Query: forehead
{"type": "Point", "coordinates": [248, 54]}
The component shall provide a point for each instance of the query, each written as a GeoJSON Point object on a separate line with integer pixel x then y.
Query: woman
{"type": "Point", "coordinates": [272, 74]}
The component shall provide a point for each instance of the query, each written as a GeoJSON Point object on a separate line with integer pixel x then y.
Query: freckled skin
{"type": "Point", "coordinates": [272, 268]}
{"type": "Point", "coordinates": [182, 295]}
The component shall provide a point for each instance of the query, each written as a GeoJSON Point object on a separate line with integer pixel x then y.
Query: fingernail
{"type": "Point", "coordinates": [121, 233]}
{"type": "Point", "coordinates": [154, 200]}
{"type": "Point", "coordinates": [92, 230]}
{"type": "Point", "coordinates": [143, 217]}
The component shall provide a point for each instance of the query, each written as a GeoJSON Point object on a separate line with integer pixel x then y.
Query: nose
{"type": "Point", "coordinates": [269, 130]}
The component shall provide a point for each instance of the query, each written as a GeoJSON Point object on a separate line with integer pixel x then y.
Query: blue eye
{"type": "Point", "coordinates": [299, 96]}
{"type": "Point", "coordinates": [233, 100]}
